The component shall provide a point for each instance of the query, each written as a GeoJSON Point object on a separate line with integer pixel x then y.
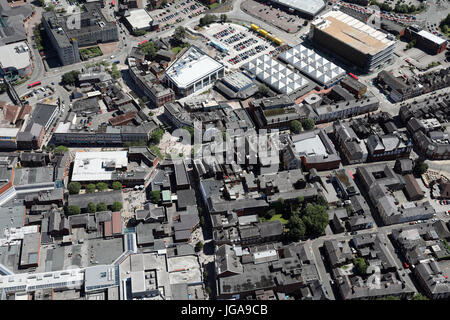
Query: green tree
{"type": "Point", "coordinates": [199, 246]}
{"type": "Point", "coordinates": [116, 185]}
{"type": "Point", "coordinates": [202, 221]}
{"type": "Point", "coordinates": [207, 19]}
{"type": "Point", "coordinates": [90, 188]}
{"type": "Point", "coordinates": [360, 266]}
{"type": "Point", "coordinates": [157, 135]}
{"type": "Point", "coordinates": [297, 228]}
{"type": "Point", "coordinates": [74, 187]}
{"type": "Point", "coordinates": [70, 78]}
{"type": "Point", "coordinates": [223, 17]}
{"type": "Point", "coordinates": [149, 49]}
{"type": "Point", "coordinates": [419, 296]}
{"type": "Point", "coordinates": [91, 207]}
{"type": "Point", "coordinates": [295, 126]}
{"type": "Point", "coordinates": [308, 124]}
{"type": "Point", "coordinates": [116, 206]}
{"type": "Point", "coordinates": [322, 201]}
{"type": "Point", "coordinates": [270, 213]}
{"type": "Point", "coordinates": [420, 167]}
{"type": "Point", "coordinates": [50, 7]}
{"type": "Point", "coordinates": [71, 210]}
{"type": "Point", "coordinates": [139, 33]}
{"type": "Point", "coordinates": [445, 29]}
{"type": "Point", "coordinates": [179, 34]}
{"type": "Point", "coordinates": [101, 186]}
{"type": "Point", "coordinates": [263, 90]}
{"type": "Point", "coordinates": [61, 149]}
{"type": "Point", "coordinates": [101, 207]}
{"type": "Point", "coordinates": [315, 219]}
{"type": "Point", "coordinates": [155, 196]}
{"type": "Point", "coordinates": [115, 73]}
{"type": "Point", "coordinates": [300, 200]}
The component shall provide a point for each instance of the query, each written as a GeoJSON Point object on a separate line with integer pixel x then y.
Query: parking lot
{"type": "Point", "coordinates": [280, 18]}
{"type": "Point", "coordinates": [39, 94]}
{"type": "Point", "coordinates": [241, 43]}
{"type": "Point", "coordinates": [176, 12]}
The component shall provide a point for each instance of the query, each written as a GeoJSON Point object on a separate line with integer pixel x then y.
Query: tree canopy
{"type": "Point", "coordinates": [180, 34]}
{"type": "Point", "coordinates": [60, 149]}
{"type": "Point", "coordinates": [420, 167]}
{"type": "Point", "coordinates": [116, 206]}
{"type": "Point", "coordinates": [101, 186]}
{"type": "Point", "coordinates": [149, 49]}
{"type": "Point", "coordinates": [71, 210]}
{"type": "Point", "coordinates": [70, 78]}
{"type": "Point", "coordinates": [101, 206]}
{"type": "Point", "coordinates": [157, 135]}
{"type": "Point", "coordinates": [315, 219]}
{"type": "Point", "coordinates": [297, 228]}
{"type": "Point", "coordinates": [207, 19]}
{"type": "Point", "coordinates": [360, 266]}
{"type": "Point", "coordinates": [155, 196]}
{"type": "Point", "coordinates": [116, 185]}
{"type": "Point", "coordinates": [91, 207]}
{"type": "Point", "coordinates": [198, 246]}
{"type": "Point", "coordinates": [90, 188]}
{"type": "Point", "coordinates": [308, 124]}
{"type": "Point", "coordinates": [295, 126]}
{"type": "Point", "coordinates": [74, 187]}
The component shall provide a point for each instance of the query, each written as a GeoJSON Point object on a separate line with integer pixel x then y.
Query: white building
{"type": "Point", "coordinates": [308, 8]}
{"type": "Point", "coordinates": [193, 71]}
{"type": "Point", "coordinates": [139, 19]}
{"type": "Point", "coordinates": [8, 138]}
{"type": "Point", "coordinates": [98, 166]}
{"type": "Point", "coordinates": [313, 65]}
{"type": "Point", "coordinates": [275, 74]}
{"type": "Point", "coordinates": [16, 57]}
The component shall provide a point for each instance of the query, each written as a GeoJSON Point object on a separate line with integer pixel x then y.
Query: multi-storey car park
{"type": "Point", "coordinates": [352, 40]}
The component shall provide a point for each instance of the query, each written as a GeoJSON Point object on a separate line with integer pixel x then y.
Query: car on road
{"type": "Point", "coordinates": [406, 265]}
{"type": "Point", "coordinates": [354, 233]}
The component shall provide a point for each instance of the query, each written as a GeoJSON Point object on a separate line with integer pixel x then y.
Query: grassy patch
{"type": "Point", "coordinates": [176, 49]}
{"type": "Point", "coordinates": [92, 52]}
{"type": "Point", "coordinates": [214, 5]}
{"type": "Point", "coordinates": [278, 217]}
{"type": "Point", "coordinates": [433, 64]}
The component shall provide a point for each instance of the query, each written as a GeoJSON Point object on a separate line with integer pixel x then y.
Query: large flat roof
{"type": "Point", "coordinates": [352, 32]}
{"type": "Point", "coordinates": [431, 37]}
{"type": "Point", "coordinates": [92, 166]}
{"type": "Point", "coordinates": [311, 7]}
{"type": "Point", "coordinates": [192, 66]}
{"type": "Point", "coordinates": [139, 19]}
{"type": "Point", "coordinates": [15, 55]}
{"type": "Point", "coordinates": [311, 145]}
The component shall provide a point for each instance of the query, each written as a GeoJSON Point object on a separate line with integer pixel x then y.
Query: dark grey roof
{"type": "Point", "coordinates": [186, 197]}
{"type": "Point", "coordinates": [107, 197]}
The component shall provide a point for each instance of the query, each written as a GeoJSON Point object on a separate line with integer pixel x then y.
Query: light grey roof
{"type": "Point", "coordinates": [312, 64]}
{"type": "Point", "coordinates": [275, 75]}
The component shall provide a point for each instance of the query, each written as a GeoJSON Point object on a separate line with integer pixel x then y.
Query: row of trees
{"type": "Point", "coordinates": [92, 208]}
{"type": "Point", "coordinates": [210, 18]}
{"type": "Point", "coordinates": [398, 8]}
{"type": "Point", "coordinates": [74, 187]}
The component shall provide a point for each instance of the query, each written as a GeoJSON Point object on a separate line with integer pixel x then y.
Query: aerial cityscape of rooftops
{"type": "Point", "coordinates": [224, 150]}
